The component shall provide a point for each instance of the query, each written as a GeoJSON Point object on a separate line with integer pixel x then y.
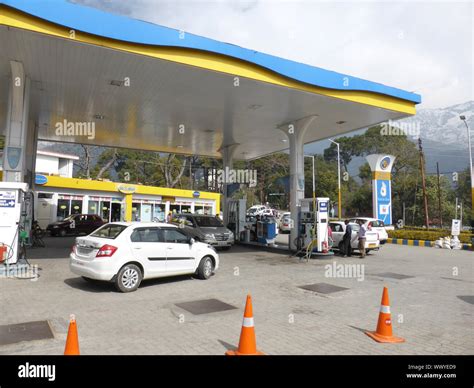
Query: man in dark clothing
{"type": "Point", "coordinates": [346, 240]}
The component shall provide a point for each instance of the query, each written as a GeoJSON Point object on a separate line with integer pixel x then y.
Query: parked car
{"type": "Point", "coordinates": [208, 229]}
{"type": "Point", "coordinates": [256, 210]}
{"type": "Point", "coordinates": [75, 224]}
{"type": "Point", "coordinates": [269, 212]}
{"type": "Point", "coordinates": [376, 225]}
{"type": "Point", "coordinates": [286, 224]}
{"type": "Point", "coordinates": [125, 253]}
{"type": "Point", "coordinates": [338, 229]}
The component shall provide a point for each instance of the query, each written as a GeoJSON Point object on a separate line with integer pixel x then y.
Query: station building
{"type": "Point", "coordinates": [57, 194]}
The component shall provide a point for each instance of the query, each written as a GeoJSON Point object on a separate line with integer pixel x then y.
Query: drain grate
{"type": "Point", "coordinates": [467, 298]}
{"type": "Point", "coordinates": [28, 331]}
{"type": "Point", "coordinates": [206, 306]}
{"type": "Point", "coordinates": [323, 288]}
{"type": "Point", "coordinates": [393, 275]}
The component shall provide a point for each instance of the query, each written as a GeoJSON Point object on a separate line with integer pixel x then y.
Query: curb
{"type": "Point", "coordinates": [422, 243]}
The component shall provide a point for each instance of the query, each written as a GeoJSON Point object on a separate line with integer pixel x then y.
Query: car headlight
{"type": "Point", "coordinates": [55, 226]}
{"type": "Point", "coordinates": [209, 236]}
{"type": "Point", "coordinates": [231, 235]}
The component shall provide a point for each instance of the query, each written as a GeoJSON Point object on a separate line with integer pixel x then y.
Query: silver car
{"type": "Point", "coordinates": [206, 228]}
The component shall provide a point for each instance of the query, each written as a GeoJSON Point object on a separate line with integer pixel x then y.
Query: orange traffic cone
{"type": "Point", "coordinates": [72, 340]}
{"type": "Point", "coordinates": [247, 343]}
{"type": "Point", "coordinates": [384, 325]}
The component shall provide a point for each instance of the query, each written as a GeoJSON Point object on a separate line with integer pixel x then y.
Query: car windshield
{"type": "Point", "coordinates": [208, 221]}
{"type": "Point", "coordinates": [69, 218]}
{"type": "Point", "coordinates": [109, 231]}
{"type": "Point", "coordinates": [377, 224]}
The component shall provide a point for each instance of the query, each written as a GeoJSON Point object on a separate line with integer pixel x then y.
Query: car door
{"type": "Point", "coordinates": [149, 249]}
{"type": "Point", "coordinates": [355, 236]}
{"type": "Point", "coordinates": [88, 225]}
{"type": "Point", "coordinates": [97, 222]}
{"type": "Point", "coordinates": [179, 252]}
{"type": "Point", "coordinates": [337, 232]}
{"type": "Point", "coordinates": [189, 226]}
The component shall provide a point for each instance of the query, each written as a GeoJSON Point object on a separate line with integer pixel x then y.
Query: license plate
{"type": "Point", "coordinates": [222, 243]}
{"type": "Point", "coordinates": [372, 245]}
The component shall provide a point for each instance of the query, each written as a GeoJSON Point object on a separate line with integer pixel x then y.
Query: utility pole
{"type": "Point", "coordinates": [191, 173]}
{"type": "Point", "coordinates": [440, 213]}
{"type": "Point", "coordinates": [423, 182]}
{"type": "Point", "coordinates": [339, 195]}
{"type": "Point", "coordinates": [404, 209]}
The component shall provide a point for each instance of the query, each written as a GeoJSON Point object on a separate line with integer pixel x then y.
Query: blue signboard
{"type": "Point", "coordinates": [323, 207]}
{"type": "Point", "coordinates": [40, 179]}
{"type": "Point", "coordinates": [383, 201]}
{"type": "Point", "coordinates": [7, 203]}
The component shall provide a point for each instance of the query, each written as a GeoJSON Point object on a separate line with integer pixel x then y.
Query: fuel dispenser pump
{"type": "Point", "coordinates": [313, 226]}
{"type": "Point", "coordinates": [12, 208]}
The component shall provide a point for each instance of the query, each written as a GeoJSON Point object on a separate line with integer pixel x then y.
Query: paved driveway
{"type": "Point", "coordinates": [432, 307]}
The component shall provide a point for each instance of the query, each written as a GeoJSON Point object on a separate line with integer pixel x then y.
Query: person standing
{"type": "Point", "coordinates": [347, 239]}
{"type": "Point", "coordinates": [362, 238]}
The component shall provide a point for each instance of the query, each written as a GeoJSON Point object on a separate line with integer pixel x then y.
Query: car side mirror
{"type": "Point", "coordinates": [192, 241]}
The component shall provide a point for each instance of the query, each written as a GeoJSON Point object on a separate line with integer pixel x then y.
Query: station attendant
{"type": "Point", "coordinates": [362, 239]}
{"type": "Point", "coordinates": [346, 240]}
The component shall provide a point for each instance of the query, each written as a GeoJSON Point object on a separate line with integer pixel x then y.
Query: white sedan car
{"type": "Point", "coordinates": [338, 229]}
{"type": "Point", "coordinates": [376, 225]}
{"type": "Point", "coordinates": [128, 252]}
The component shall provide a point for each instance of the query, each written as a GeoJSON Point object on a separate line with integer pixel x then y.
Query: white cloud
{"type": "Point", "coordinates": [426, 47]}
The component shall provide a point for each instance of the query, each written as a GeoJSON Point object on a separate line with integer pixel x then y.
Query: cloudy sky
{"type": "Point", "coordinates": [425, 47]}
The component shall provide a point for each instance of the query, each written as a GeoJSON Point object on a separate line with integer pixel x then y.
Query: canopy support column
{"type": "Point", "coordinates": [228, 161]}
{"type": "Point", "coordinates": [296, 131]}
{"type": "Point", "coordinates": [15, 162]}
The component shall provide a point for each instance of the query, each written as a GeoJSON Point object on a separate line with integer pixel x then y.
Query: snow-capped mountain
{"type": "Point", "coordinates": [443, 125]}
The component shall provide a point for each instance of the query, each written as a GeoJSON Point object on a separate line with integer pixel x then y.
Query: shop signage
{"type": "Point", "coordinates": [40, 179]}
{"type": "Point", "coordinates": [126, 189]}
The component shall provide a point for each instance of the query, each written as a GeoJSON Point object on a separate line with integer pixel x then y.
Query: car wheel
{"type": "Point", "coordinates": [62, 232]}
{"type": "Point", "coordinates": [340, 246]}
{"type": "Point", "coordinates": [205, 268]}
{"type": "Point", "coordinates": [128, 278]}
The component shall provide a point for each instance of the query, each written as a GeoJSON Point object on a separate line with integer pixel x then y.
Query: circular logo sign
{"type": "Point", "coordinates": [40, 179]}
{"type": "Point", "coordinates": [125, 189]}
{"type": "Point", "coordinates": [385, 162]}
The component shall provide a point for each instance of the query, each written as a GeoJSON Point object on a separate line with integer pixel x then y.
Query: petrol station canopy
{"type": "Point", "coordinates": [217, 93]}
